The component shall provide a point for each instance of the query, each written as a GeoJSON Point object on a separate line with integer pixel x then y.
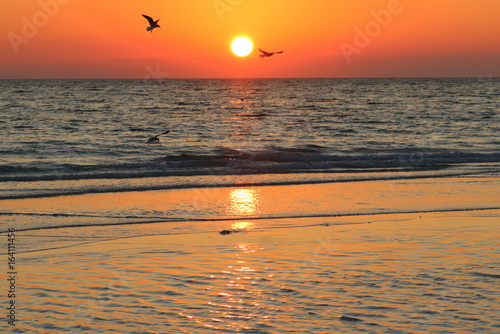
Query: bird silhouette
{"type": "Point", "coordinates": [155, 139]}
{"type": "Point", "coordinates": [152, 23]}
{"type": "Point", "coordinates": [268, 54]}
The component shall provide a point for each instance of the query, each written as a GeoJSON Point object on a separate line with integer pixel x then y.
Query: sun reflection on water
{"type": "Point", "coordinates": [243, 202]}
{"type": "Point", "coordinates": [239, 302]}
{"type": "Point", "coordinates": [240, 225]}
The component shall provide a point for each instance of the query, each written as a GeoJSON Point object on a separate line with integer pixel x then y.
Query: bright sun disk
{"type": "Point", "coordinates": [242, 46]}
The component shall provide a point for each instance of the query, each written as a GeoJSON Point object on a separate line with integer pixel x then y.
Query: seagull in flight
{"type": "Point", "coordinates": [155, 139]}
{"type": "Point", "coordinates": [268, 54]}
{"type": "Point", "coordinates": [152, 23]}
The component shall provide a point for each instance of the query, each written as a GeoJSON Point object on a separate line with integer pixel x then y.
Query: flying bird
{"type": "Point", "coordinates": [155, 139]}
{"type": "Point", "coordinates": [152, 23]}
{"type": "Point", "coordinates": [268, 54]}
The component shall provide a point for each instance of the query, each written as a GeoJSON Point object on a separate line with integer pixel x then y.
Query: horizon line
{"type": "Point", "coordinates": [258, 78]}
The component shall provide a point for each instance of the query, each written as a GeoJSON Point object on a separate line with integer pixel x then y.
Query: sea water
{"type": "Point", "coordinates": [75, 168]}
{"type": "Point", "coordinates": [71, 137]}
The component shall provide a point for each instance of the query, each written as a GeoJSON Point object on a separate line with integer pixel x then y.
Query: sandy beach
{"type": "Point", "coordinates": [395, 273]}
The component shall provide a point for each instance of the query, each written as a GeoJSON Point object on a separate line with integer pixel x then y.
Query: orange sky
{"type": "Point", "coordinates": [321, 38]}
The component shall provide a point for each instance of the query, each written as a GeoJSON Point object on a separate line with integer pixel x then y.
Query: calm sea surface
{"type": "Point", "coordinates": [75, 167]}
{"type": "Point", "coordinates": [97, 129]}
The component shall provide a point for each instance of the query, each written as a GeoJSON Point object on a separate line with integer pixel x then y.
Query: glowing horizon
{"type": "Point", "coordinates": [324, 38]}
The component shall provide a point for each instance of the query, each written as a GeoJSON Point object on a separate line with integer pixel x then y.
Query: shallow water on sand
{"type": "Point", "coordinates": [431, 274]}
{"type": "Point", "coordinates": [55, 221]}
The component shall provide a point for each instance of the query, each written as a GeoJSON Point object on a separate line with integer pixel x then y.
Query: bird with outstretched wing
{"type": "Point", "coordinates": [152, 23]}
{"type": "Point", "coordinates": [268, 54]}
{"type": "Point", "coordinates": [155, 139]}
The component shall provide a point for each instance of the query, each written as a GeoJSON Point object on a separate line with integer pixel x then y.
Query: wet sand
{"type": "Point", "coordinates": [52, 222]}
{"type": "Point", "coordinates": [396, 273]}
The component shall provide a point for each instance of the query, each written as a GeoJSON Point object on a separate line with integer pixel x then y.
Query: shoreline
{"type": "Point", "coordinates": [97, 186]}
{"type": "Point", "coordinates": [238, 227]}
{"type": "Point", "coordinates": [59, 222]}
{"type": "Point", "coordinates": [255, 202]}
{"type": "Point", "coordinates": [380, 222]}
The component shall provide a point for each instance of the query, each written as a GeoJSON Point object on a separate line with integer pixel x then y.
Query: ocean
{"type": "Point", "coordinates": [240, 155]}
{"type": "Point", "coordinates": [71, 137]}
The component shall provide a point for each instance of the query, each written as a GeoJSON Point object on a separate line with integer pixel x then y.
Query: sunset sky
{"type": "Point", "coordinates": [320, 38]}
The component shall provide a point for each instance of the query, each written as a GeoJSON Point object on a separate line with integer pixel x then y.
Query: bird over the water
{"type": "Point", "coordinates": [152, 23]}
{"type": "Point", "coordinates": [268, 54]}
{"type": "Point", "coordinates": [155, 139]}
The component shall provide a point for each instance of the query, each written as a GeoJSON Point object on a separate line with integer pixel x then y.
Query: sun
{"type": "Point", "coordinates": [242, 46]}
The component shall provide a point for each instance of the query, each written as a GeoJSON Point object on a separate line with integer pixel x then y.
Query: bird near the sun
{"type": "Point", "coordinates": [155, 139]}
{"type": "Point", "coordinates": [152, 23]}
{"type": "Point", "coordinates": [268, 54]}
